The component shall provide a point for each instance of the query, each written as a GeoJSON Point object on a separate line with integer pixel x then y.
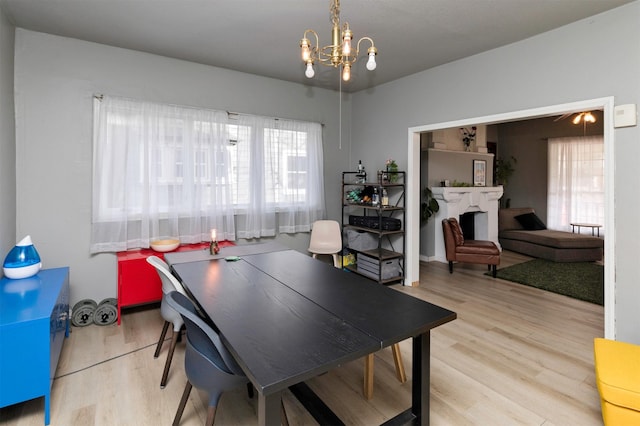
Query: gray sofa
{"type": "Point", "coordinates": [558, 246]}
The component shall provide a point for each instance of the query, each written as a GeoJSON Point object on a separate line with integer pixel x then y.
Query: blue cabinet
{"type": "Point", "coordinates": [34, 321]}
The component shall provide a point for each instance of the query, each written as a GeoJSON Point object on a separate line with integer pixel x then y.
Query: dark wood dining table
{"type": "Point", "coordinates": [288, 318]}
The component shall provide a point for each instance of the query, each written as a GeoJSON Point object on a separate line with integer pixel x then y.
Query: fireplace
{"type": "Point", "coordinates": [467, 223]}
{"type": "Point", "coordinates": [477, 205]}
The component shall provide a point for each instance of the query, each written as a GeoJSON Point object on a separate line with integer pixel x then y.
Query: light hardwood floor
{"type": "Point", "coordinates": [515, 356]}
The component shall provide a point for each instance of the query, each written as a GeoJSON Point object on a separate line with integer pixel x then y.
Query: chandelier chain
{"type": "Point", "coordinates": [335, 13]}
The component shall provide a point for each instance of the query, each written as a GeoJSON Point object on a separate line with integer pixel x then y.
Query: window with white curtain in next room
{"type": "Point", "coordinates": [168, 171]}
{"type": "Point", "coordinates": [576, 182]}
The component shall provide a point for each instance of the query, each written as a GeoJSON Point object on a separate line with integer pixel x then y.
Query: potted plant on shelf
{"type": "Point", "coordinates": [392, 170]}
{"type": "Point", "coordinates": [468, 136]}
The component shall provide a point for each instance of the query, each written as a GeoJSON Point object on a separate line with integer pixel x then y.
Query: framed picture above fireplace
{"type": "Point", "coordinates": [479, 172]}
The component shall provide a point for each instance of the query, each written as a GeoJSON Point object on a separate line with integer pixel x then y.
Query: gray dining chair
{"type": "Point", "coordinates": [207, 362]}
{"type": "Point", "coordinates": [170, 316]}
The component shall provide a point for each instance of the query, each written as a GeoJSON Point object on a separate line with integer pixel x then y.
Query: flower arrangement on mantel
{"type": "Point", "coordinates": [392, 169]}
{"type": "Point", "coordinates": [468, 136]}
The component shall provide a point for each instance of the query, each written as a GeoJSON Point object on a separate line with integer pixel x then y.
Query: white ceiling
{"type": "Point", "coordinates": [262, 36]}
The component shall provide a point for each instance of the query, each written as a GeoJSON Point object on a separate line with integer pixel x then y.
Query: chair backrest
{"type": "Point", "coordinates": [201, 335]}
{"type": "Point", "coordinates": [169, 282]}
{"type": "Point", "coordinates": [326, 237]}
{"type": "Point", "coordinates": [452, 237]}
{"type": "Point", "coordinates": [457, 231]}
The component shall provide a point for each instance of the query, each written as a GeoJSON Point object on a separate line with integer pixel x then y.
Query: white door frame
{"type": "Point", "coordinates": [413, 188]}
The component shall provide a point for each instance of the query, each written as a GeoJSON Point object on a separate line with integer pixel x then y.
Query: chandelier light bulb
{"type": "Point", "coordinates": [346, 72]}
{"type": "Point", "coordinates": [371, 63]}
{"type": "Point", "coordinates": [578, 118]}
{"type": "Point", "coordinates": [309, 71]}
{"type": "Point", "coordinates": [346, 43]}
{"type": "Point", "coordinates": [304, 46]}
{"type": "Point", "coordinates": [589, 117]}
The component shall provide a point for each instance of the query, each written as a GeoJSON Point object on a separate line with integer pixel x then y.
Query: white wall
{"type": "Point", "coordinates": [550, 69]}
{"type": "Point", "coordinates": [7, 141]}
{"type": "Point", "coordinates": [55, 80]}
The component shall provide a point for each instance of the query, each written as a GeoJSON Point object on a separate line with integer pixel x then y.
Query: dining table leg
{"type": "Point", "coordinates": [420, 393]}
{"type": "Point", "coordinates": [269, 409]}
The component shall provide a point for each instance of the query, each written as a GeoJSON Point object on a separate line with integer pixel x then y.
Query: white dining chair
{"type": "Point", "coordinates": [326, 239]}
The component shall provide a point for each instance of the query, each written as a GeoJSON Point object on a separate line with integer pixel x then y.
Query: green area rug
{"type": "Point", "coordinates": [580, 280]}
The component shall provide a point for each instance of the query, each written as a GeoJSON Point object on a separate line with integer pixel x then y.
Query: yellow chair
{"type": "Point", "coordinates": [617, 367]}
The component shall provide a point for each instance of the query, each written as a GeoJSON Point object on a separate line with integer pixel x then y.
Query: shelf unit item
{"type": "Point", "coordinates": [34, 323]}
{"type": "Point", "coordinates": [374, 234]}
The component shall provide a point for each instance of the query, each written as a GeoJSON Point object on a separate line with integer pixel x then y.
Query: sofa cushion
{"type": "Point", "coordinates": [478, 247]}
{"type": "Point", "coordinates": [507, 217]}
{"type": "Point", "coordinates": [551, 238]}
{"type": "Point", "coordinates": [551, 253]}
{"type": "Point", "coordinates": [530, 222]}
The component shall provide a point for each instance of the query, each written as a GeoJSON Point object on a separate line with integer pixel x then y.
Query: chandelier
{"type": "Point", "coordinates": [339, 52]}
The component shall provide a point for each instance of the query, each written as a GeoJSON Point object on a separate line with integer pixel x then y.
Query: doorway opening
{"type": "Point", "coordinates": [413, 186]}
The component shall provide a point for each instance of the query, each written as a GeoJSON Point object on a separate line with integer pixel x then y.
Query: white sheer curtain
{"type": "Point", "coordinates": [281, 188]}
{"type": "Point", "coordinates": [575, 182]}
{"type": "Point", "coordinates": [170, 171]}
{"type": "Point", "coordinates": [158, 171]}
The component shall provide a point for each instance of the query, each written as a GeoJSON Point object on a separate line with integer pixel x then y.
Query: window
{"type": "Point", "coordinates": [575, 182]}
{"type": "Point", "coordinates": [169, 171]}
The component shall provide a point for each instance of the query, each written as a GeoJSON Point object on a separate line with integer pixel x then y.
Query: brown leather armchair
{"type": "Point", "coordinates": [469, 251]}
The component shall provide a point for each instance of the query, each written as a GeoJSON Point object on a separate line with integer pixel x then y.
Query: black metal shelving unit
{"type": "Point", "coordinates": [389, 248]}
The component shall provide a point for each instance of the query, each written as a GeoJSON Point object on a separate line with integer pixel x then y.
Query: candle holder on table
{"type": "Point", "coordinates": [214, 248]}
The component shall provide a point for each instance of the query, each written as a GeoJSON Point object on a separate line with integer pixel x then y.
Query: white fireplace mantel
{"type": "Point", "coordinates": [454, 201]}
